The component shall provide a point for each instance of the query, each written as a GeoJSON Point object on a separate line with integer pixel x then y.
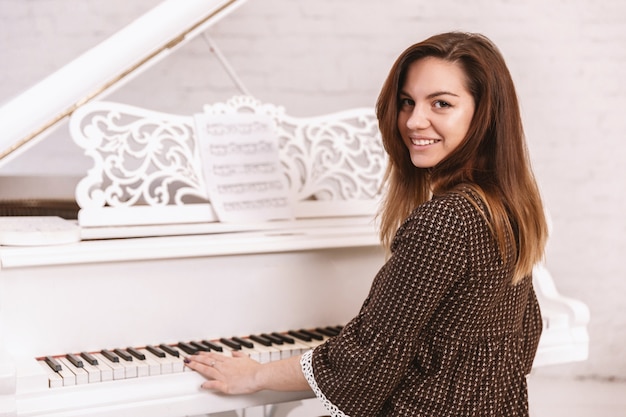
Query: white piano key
{"type": "Point", "coordinates": [297, 347]}
{"type": "Point", "coordinates": [323, 341]}
{"type": "Point", "coordinates": [145, 365]}
{"type": "Point", "coordinates": [226, 350]}
{"type": "Point", "coordinates": [136, 368]}
{"type": "Point", "coordinates": [252, 349]}
{"type": "Point", "coordinates": [256, 354]}
{"type": "Point", "coordinates": [93, 373]}
{"type": "Point", "coordinates": [119, 372]}
{"type": "Point", "coordinates": [300, 348]}
{"type": "Point", "coordinates": [310, 344]}
{"type": "Point", "coordinates": [177, 362]}
{"type": "Point", "coordinates": [106, 372]}
{"type": "Point", "coordinates": [274, 352]}
{"type": "Point", "coordinates": [178, 366]}
{"type": "Point", "coordinates": [69, 379]}
{"type": "Point", "coordinates": [142, 367]}
{"type": "Point", "coordinates": [184, 355]}
{"type": "Point", "coordinates": [54, 379]}
{"type": "Point", "coordinates": [154, 366]}
{"type": "Point", "coordinates": [163, 366]}
{"type": "Point", "coordinates": [131, 369]}
{"type": "Point", "coordinates": [266, 353]}
{"type": "Point", "coordinates": [81, 375]}
{"type": "Point", "coordinates": [213, 345]}
{"type": "Point", "coordinates": [284, 350]}
{"type": "Point", "coordinates": [294, 349]}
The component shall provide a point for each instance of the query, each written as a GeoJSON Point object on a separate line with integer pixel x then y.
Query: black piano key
{"type": "Point", "coordinates": [156, 351]}
{"type": "Point", "coordinates": [89, 358]}
{"type": "Point", "coordinates": [312, 334]}
{"type": "Point", "coordinates": [230, 343]}
{"type": "Point", "coordinates": [327, 331]}
{"type": "Point", "coordinates": [75, 360]}
{"type": "Point", "coordinates": [300, 335]}
{"type": "Point", "coordinates": [261, 340]}
{"type": "Point", "coordinates": [123, 354]}
{"type": "Point", "coordinates": [212, 346]}
{"type": "Point", "coordinates": [136, 353]}
{"type": "Point", "coordinates": [187, 348]}
{"type": "Point", "coordinates": [53, 363]}
{"type": "Point", "coordinates": [200, 346]}
{"type": "Point", "coordinates": [169, 350]}
{"type": "Point", "coordinates": [284, 338]}
{"type": "Point", "coordinates": [244, 343]}
{"type": "Point", "coordinates": [275, 340]}
{"type": "Point", "coordinates": [110, 355]}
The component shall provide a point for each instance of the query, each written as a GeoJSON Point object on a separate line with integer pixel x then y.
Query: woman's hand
{"type": "Point", "coordinates": [230, 375]}
{"type": "Point", "coordinates": [241, 375]}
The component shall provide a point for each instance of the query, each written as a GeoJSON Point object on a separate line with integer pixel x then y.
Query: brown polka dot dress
{"type": "Point", "coordinates": [443, 332]}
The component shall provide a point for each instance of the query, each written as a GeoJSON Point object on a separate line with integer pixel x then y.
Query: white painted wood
{"type": "Point", "coordinates": [334, 164]}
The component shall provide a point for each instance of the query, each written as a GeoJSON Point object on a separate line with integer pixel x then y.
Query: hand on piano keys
{"type": "Point", "coordinates": [125, 363]}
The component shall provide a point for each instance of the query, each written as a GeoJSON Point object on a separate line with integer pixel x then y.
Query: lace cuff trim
{"type": "Point", "coordinates": [306, 362]}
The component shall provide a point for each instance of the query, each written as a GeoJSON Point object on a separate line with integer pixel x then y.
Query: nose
{"type": "Point", "coordinates": [417, 119]}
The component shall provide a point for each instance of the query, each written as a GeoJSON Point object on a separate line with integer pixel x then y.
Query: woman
{"type": "Point", "coordinates": [451, 324]}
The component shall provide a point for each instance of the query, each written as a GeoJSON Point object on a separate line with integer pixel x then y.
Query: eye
{"type": "Point", "coordinates": [406, 102]}
{"type": "Point", "coordinates": [440, 104]}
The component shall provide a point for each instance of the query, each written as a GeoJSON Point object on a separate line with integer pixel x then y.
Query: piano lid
{"type": "Point", "coordinates": [30, 116]}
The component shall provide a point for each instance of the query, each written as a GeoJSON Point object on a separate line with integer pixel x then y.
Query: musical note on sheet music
{"type": "Point", "coordinates": [241, 167]}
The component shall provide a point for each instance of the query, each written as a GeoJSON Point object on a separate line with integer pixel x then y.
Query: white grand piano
{"type": "Point", "coordinates": [147, 270]}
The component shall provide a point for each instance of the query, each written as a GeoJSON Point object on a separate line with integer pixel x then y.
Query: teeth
{"type": "Point", "coordinates": [422, 142]}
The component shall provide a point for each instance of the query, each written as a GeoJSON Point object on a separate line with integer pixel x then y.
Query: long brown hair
{"type": "Point", "coordinates": [492, 160]}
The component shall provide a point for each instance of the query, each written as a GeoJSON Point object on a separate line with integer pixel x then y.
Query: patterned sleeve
{"type": "Point", "coordinates": [532, 327]}
{"type": "Point", "coordinates": [355, 372]}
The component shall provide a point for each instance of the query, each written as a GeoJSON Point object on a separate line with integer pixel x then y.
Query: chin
{"type": "Point", "coordinates": [422, 164]}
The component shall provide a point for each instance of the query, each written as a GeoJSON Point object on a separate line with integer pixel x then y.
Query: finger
{"type": "Point", "coordinates": [214, 385]}
{"type": "Point", "coordinates": [205, 369]}
{"type": "Point", "coordinates": [207, 358]}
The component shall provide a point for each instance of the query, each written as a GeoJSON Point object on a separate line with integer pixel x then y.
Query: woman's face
{"type": "Point", "coordinates": [435, 110]}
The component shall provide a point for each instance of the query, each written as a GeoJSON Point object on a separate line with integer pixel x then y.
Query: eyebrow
{"type": "Point", "coordinates": [433, 95]}
{"type": "Point", "coordinates": [441, 93]}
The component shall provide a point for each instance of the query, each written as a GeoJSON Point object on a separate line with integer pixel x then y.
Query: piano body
{"type": "Point", "coordinates": [151, 265]}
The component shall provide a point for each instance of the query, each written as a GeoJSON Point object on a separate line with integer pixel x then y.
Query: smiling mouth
{"type": "Point", "coordinates": [423, 142]}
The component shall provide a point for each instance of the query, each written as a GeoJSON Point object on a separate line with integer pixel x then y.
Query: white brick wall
{"type": "Point", "coordinates": [568, 58]}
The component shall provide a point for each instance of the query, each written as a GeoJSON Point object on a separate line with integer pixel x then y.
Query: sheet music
{"type": "Point", "coordinates": [241, 167]}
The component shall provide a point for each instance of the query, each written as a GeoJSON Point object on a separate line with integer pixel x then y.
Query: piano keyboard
{"type": "Point", "coordinates": [136, 362]}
